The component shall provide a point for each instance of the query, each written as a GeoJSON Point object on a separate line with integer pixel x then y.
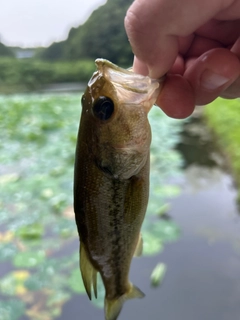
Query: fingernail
{"type": "Point", "coordinates": [211, 81]}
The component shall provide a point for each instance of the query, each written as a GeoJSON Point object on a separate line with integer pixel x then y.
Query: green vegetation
{"type": "Point", "coordinates": [223, 116]}
{"type": "Point", "coordinates": [101, 36]}
{"type": "Point", "coordinates": [29, 74]}
{"type": "Point", "coordinates": [157, 274]}
{"type": "Point", "coordinates": [5, 51]}
{"type": "Point", "coordinates": [38, 235]}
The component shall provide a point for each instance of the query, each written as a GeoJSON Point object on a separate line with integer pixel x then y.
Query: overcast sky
{"type": "Point", "coordinates": [29, 23]}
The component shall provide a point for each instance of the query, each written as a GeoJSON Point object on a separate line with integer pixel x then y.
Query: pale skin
{"type": "Point", "coordinates": [195, 42]}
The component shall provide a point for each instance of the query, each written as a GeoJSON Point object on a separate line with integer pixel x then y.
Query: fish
{"type": "Point", "coordinates": [111, 179]}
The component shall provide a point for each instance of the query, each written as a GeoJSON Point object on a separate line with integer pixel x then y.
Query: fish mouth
{"type": "Point", "coordinates": [130, 86]}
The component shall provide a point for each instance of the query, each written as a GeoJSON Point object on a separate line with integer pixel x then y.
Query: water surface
{"type": "Point", "coordinates": [203, 267]}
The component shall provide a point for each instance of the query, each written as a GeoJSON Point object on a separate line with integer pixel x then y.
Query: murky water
{"type": "Point", "coordinates": [203, 268]}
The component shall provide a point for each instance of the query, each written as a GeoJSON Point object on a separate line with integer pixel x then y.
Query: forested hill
{"type": "Point", "coordinates": [5, 51]}
{"type": "Point", "coordinates": [101, 36]}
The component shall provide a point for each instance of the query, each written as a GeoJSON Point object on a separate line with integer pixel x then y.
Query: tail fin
{"type": "Point", "coordinates": [114, 307]}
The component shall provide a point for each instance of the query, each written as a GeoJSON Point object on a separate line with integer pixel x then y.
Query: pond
{"type": "Point", "coordinates": [192, 223]}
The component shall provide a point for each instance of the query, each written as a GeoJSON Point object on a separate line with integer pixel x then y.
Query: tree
{"type": "Point", "coordinates": [5, 51]}
{"type": "Point", "coordinates": [101, 36]}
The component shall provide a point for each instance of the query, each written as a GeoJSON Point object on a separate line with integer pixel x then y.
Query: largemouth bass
{"type": "Point", "coordinates": [111, 180]}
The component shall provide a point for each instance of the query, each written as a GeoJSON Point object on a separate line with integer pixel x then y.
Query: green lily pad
{"type": "Point", "coordinates": [75, 282]}
{"type": "Point", "coordinates": [167, 190]}
{"type": "Point", "coordinates": [151, 244]}
{"type": "Point", "coordinates": [33, 283]}
{"type": "Point", "coordinates": [166, 230]}
{"type": "Point", "coordinates": [11, 309]}
{"type": "Point", "coordinates": [29, 259]}
{"type": "Point", "coordinates": [30, 232]}
{"type": "Point", "coordinates": [158, 274]}
{"type": "Point", "coordinates": [7, 251]}
{"type": "Point", "coordinates": [58, 298]}
{"type": "Point", "coordinates": [8, 178]}
{"type": "Point", "coordinates": [13, 283]}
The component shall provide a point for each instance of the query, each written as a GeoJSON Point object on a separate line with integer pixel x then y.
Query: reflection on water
{"type": "Point", "coordinates": [197, 144]}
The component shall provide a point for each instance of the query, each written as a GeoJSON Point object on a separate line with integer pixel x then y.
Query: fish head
{"type": "Point", "coordinates": [114, 111]}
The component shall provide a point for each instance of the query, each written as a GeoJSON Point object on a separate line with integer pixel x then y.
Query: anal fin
{"type": "Point", "coordinates": [89, 273]}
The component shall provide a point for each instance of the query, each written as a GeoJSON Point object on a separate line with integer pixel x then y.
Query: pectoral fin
{"type": "Point", "coordinates": [89, 274]}
{"type": "Point", "coordinates": [139, 247]}
{"type": "Point", "coordinates": [113, 307]}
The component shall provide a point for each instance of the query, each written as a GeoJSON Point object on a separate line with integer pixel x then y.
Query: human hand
{"type": "Point", "coordinates": [196, 42]}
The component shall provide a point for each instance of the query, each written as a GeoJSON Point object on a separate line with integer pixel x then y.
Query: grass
{"type": "Point", "coordinates": [223, 116]}
{"type": "Point", "coordinates": [23, 75]}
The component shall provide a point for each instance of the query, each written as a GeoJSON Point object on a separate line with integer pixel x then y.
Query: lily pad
{"type": "Point", "coordinates": [158, 274]}
{"type": "Point", "coordinates": [11, 309]}
{"type": "Point", "coordinates": [30, 232]}
{"type": "Point", "coordinates": [166, 230]}
{"type": "Point", "coordinates": [13, 283]}
{"type": "Point", "coordinates": [33, 283]}
{"type": "Point", "coordinates": [7, 251]}
{"type": "Point", "coordinates": [151, 244]}
{"type": "Point", "coordinates": [75, 282]}
{"type": "Point", "coordinates": [29, 259]}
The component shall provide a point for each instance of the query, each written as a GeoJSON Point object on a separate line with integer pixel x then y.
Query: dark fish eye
{"type": "Point", "coordinates": [103, 108]}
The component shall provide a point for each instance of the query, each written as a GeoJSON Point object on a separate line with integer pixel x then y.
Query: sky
{"type": "Point", "coordinates": [31, 23]}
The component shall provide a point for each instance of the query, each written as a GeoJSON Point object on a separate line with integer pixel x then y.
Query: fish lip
{"type": "Point", "coordinates": [129, 85]}
{"type": "Point", "coordinates": [127, 78]}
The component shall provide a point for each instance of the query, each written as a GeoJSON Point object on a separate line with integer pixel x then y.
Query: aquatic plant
{"type": "Point", "coordinates": [38, 236]}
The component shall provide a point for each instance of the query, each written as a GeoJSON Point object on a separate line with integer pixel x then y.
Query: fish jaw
{"type": "Point", "coordinates": [129, 86]}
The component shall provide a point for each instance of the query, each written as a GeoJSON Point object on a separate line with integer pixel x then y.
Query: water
{"type": "Point", "coordinates": [203, 268]}
{"type": "Point", "coordinates": [202, 279]}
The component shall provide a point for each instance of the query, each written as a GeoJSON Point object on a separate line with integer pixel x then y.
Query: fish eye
{"type": "Point", "coordinates": [103, 108]}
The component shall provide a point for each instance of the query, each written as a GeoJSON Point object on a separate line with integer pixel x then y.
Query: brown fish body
{"type": "Point", "coordinates": [111, 181]}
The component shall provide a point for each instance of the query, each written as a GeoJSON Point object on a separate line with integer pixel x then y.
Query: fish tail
{"type": "Point", "coordinates": [89, 273]}
{"type": "Point", "coordinates": [114, 306]}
